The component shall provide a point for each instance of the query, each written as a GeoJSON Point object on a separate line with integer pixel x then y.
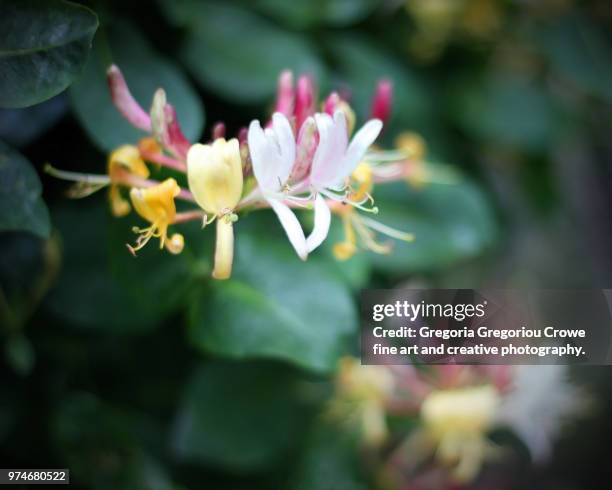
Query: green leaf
{"type": "Point", "coordinates": [101, 286]}
{"type": "Point", "coordinates": [451, 222]}
{"type": "Point", "coordinates": [243, 416]}
{"type": "Point", "coordinates": [21, 205]}
{"type": "Point", "coordinates": [275, 306]}
{"type": "Point", "coordinates": [303, 14]}
{"type": "Point", "coordinates": [43, 48]}
{"type": "Point", "coordinates": [105, 446]}
{"type": "Point", "coordinates": [145, 71]}
{"type": "Point", "coordinates": [19, 354]}
{"type": "Point", "coordinates": [241, 67]}
{"type": "Point", "coordinates": [330, 461]}
{"type": "Point", "coordinates": [579, 51]}
{"type": "Point", "coordinates": [506, 109]}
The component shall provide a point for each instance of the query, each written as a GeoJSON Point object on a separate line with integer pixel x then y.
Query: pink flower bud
{"type": "Point", "coordinates": [243, 133]}
{"type": "Point", "coordinates": [305, 100]}
{"type": "Point", "coordinates": [381, 103]}
{"type": "Point", "coordinates": [124, 102]}
{"type": "Point", "coordinates": [307, 141]}
{"type": "Point", "coordinates": [285, 95]}
{"type": "Point", "coordinates": [331, 103]}
{"type": "Point", "coordinates": [218, 131]}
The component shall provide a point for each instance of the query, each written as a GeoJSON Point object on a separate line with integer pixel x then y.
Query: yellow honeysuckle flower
{"type": "Point", "coordinates": [156, 205]}
{"type": "Point", "coordinates": [124, 159]}
{"type": "Point", "coordinates": [457, 421]}
{"type": "Point", "coordinates": [361, 394]}
{"type": "Point", "coordinates": [215, 179]}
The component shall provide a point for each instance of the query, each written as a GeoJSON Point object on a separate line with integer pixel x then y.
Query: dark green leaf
{"type": "Point", "coordinates": [245, 66]}
{"type": "Point", "coordinates": [580, 52]}
{"type": "Point", "coordinates": [238, 415]}
{"type": "Point", "coordinates": [275, 306]}
{"type": "Point", "coordinates": [20, 354]}
{"type": "Point", "coordinates": [21, 204]}
{"type": "Point", "coordinates": [330, 461]}
{"type": "Point", "coordinates": [145, 71]}
{"type": "Point", "coordinates": [105, 447]}
{"type": "Point", "coordinates": [308, 13]}
{"type": "Point", "coordinates": [43, 48]}
{"type": "Point", "coordinates": [506, 109]}
{"type": "Point", "coordinates": [88, 295]}
{"type": "Point", "coordinates": [451, 222]}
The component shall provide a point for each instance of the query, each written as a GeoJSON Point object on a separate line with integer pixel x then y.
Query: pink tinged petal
{"type": "Point", "coordinates": [285, 94]}
{"type": "Point", "coordinates": [218, 131]}
{"type": "Point", "coordinates": [292, 227]}
{"type": "Point", "coordinates": [177, 141]}
{"type": "Point", "coordinates": [305, 100]}
{"type": "Point", "coordinates": [307, 141]}
{"type": "Point", "coordinates": [327, 165]}
{"type": "Point", "coordinates": [243, 133]}
{"type": "Point", "coordinates": [363, 139]}
{"type": "Point", "coordinates": [322, 217]}
{"type": "Point", "coordinates": [331, 103]}
{"type": "Point", "coordinates": [381, 103]}
{"type": "Point", "coordinates": [124, 101]}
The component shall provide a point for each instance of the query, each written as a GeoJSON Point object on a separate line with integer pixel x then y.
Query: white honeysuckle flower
{"type": "Point", "coordinates": [273, 153]}
{"type": "Point", "coordinates": [334, 161]}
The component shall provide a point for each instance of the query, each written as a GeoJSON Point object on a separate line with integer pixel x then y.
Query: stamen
{"type": "Point", "coordinates": [92, 179]}
{"type": "Point", "coordinates": [387, 230]}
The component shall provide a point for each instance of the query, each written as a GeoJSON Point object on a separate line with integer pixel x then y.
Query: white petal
{"type": "Point", "coordinates": [360, 143]}
{"type": "Point", "coordinates": [292, 227]}
{"type": "Point", "coordinates": [333, 141]}
{"type": "Point", "coordinates": [322, 216]}
{"type": "Point", "coordinates": [286, 143]}
{"type": "Point", "coordinates": [261, 157]}
{"type": "Point", "coordinates": [272, 152]}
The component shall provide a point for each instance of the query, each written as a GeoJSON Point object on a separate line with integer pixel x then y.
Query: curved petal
{"type": "Point", "coordinates": [286, 145]}
{"type": "Point", "coordinates": [360, 143]}
{"type": "Point", "coordinates": [272, 152]}
{"type": "Point", "coordinates": [322, 217]}
{"type": "Point", "coordinates": [333, 141]}
{"type": "Point", "coordinates": [292, 227]}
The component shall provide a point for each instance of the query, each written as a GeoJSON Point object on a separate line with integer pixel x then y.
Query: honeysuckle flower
{"type": "Point", "coordinates": [381, 103]}
{"type": "Point", "coordinates": [215, 179]}
{"type": "Point", "coordinates": [124, 101]}
{"type": "Point", "coordinates": [335, 103]}
{"type": "Point", "coordinates": [156, 205]}
{"type": "Point", "coordinates": [457, 422]}
{"type": "Point", "coordinates": [361, 395]}
{"type": "Point", "coordinates": [125, 159]}
{"type": "Point", "coordinates": [334, 161]}
{"type": "Point", "coordinates": [285, 94]}
{"type": "Point", "coordinates": [165, 126]}
{"type": "Point", "coordinates": [273, 154]}
{"type": "Point", "coordinates": [305, 100]}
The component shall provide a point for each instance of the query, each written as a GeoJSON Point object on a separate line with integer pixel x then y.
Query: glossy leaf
{"type": "Point", "coordinates": [21, 205]}
{"type": "Point", "coordinates": [308, 13]}
{"type": "Point", "coordinates": [451, 222]}
{"type": "Point", "coordinates": [243, 416]}
{"type": "Point", "coordinates": [241, 67]}
{"type": "Point", "coordinates": [145, 71]}
{"type": "Point", "coordinates": [43, 48]}
{"type": "Point", "coordinates": [275, 306]}
{"type": "Point", "coordinates": [85, 282]}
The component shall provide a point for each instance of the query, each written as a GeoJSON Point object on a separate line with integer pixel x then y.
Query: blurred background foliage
{"type": "Point", "coordinates": [145, 374]}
